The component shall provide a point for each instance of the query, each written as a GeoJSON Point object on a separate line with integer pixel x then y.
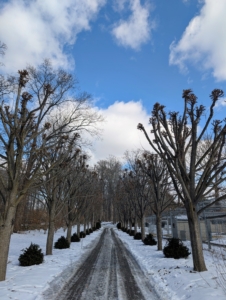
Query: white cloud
{"type": "Point", "coordinates": [120, 130]}
{"type": "Point", "coordinates": [36, 29]}
{"type": "Point", "coordinates": [203, 42]}
{"type": "Point", "coordinates": [119, 5]}
{"type": "Point", "coordinates": [221, 102]}
{"type": "Point", "coordinates": [136, 30]}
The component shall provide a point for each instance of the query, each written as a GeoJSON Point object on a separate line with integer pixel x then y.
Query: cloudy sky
{"type": "Point", "coordinates": [128, 54]}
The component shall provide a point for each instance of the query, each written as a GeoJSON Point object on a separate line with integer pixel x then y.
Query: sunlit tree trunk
{"type": "Point", "coordinates": [196, 240]}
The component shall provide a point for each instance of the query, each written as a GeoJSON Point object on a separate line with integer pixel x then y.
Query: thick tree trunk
{"type": "Point", "coordinates": [159, 230]}
{"type": "Point", "coordinates": [6, 227]}
{"type": "Point", "coordinates": [196, 241]}
{"type": "Point", "coordinates": [51, 229]}
{"type": "Point", "coordinates": [143, 227]}
{"type": "Point", "coordinates": [19, 217]}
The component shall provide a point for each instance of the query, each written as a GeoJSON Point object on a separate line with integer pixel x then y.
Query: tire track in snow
{"type": "Point", "coordinates": [109, 273]}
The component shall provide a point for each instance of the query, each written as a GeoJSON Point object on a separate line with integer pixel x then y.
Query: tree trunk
{"type": "Point", "coordinates": [78, 229]}
{"type": "Point", "coordinates": [196, 241]}
{"type": "Point", "coordinates": [51, 229]}
{"type": "Point", "coordinates": [19, 215]}
{"type": "Point", "coordinates": [130, 226]}
{"type": "Point", "coordinates": [159, 230]}
{"type": "Point", "coordinates": [135, 225]}
{"type": "Point", "coordinates": [143, 227]}
{"type": "Point", "coordinates": [93, 220]}
{"type": "Point", "coordinates": [69, 230]}
{"type": "Point", "coordinates": [5, 234]}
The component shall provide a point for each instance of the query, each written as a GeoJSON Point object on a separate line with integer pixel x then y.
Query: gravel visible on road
{"type": "Point", "coordinates": [110, 272]}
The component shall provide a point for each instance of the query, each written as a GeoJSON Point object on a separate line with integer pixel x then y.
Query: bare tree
{"type": "Point", "coordinates": [108, 171]}
{"type": "Point", "coordinates": [26, 135]}
{"type": "Point", "coordinates": [139, 183]}
{"type": "Point", "coordinates": [53, 187]}
{"type": "Point", "coordinates": [77, 182]}
{"type": "Point", "coordinates": [176, 141]}
{"type": "Point", "coordinates": [160, 186]}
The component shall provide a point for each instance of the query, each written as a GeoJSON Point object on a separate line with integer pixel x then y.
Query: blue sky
{"type": "Point", "coordinates": [128, 54]}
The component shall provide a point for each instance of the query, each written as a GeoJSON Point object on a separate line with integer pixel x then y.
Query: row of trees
{"type": "Point", "coordinates": [144, 188]}
{"type": "Point", "coordinates": [185, 167]}
{"type": "Point", "coordinates": [42, 122]}
{"type": "Point", "coordinates": [192, 147]}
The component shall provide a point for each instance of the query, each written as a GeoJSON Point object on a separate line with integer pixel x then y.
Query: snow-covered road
{"type": "Point", "coordinates": [110, 272]}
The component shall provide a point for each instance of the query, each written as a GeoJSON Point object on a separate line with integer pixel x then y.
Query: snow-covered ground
{"type": "Point", "coordinates": [27, 283]}
{"type": "Point", "coordinates": [173, 279]}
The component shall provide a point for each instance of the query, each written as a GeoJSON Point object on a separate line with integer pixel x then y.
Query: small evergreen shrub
{"type": "Point", "coordinates": [175, 248]}
{"type": "Point", "coordinates": [82, 234]}
{"type": "Point", "coordinates": [138, 236]}
{"type": "Point", "coordinates": [62, 243]}
{"type": "Point", "coordinates": [98, 225]}
{"type": "Point", "coordinates": [90, 230]}
{"type": "Point", "coordinates": [119, 225]}
{"type": "Point", "coordinates": [87, 231]}
{"type": "Point", "coordinates": [31, 256]}
{"type": "Point", "coordinates": [75, 238]}
{"type": "Point", "coordinates": [128, 231]}
{"type": "Point", "coordinates": [149, 240]}
{"type": "Point", "coordinates": [132, 232]}
{"type": "Point", "coordinates": [94, 228]}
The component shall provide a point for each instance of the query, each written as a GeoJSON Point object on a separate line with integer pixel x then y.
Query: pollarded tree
{"type": "Point", "coordinates": [160, 187]}
{"type": "Point", "coordinates": [79, 189]}
{"type": "Point", "coordinates": [108, 172]}
{"type": "Point", "coordinates": [28, 131]}
{"type": "Point", "coordinates": [140, 185]}
{"type": "Point", "coordinates": [177, 141]}
{"type": "Point", "coordinates": [53, 184]}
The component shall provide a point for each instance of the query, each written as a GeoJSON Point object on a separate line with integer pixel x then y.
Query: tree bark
{"type": "Point", "coordinates": [130, 226]}
{"type": "Point", "coordinates": [5, 235]}
{"type": "Point", "coordinates": [69, 230]}
{"type": "Point", "coordinates": [143, 227]}
{"type": "Point", "coordinates": [135, 225]}
{"type": "Point", "coordinates": [78, 229]}
{"type": "Point", "coordinates": [93, 220]}
{"type": "Point", "coordinates": [51, 229]}
{"type": "Point", "coordinates": [196, 241]}
{"type": "Point", "coordinates": [159, 230]}
{"type": "Point", "coordinates": [19, 216]}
